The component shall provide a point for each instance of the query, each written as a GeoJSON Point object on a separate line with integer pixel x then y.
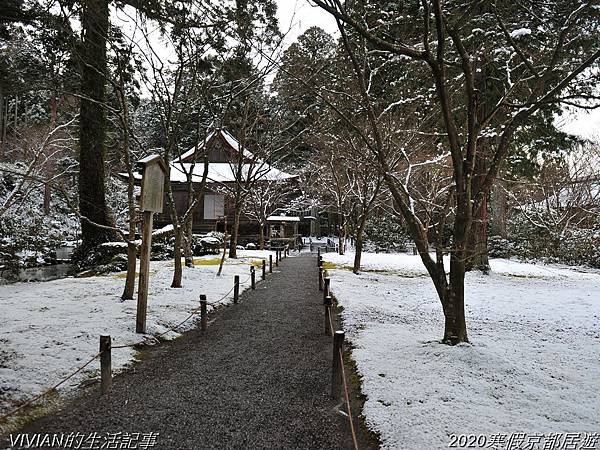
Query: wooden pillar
{"type": "Point", "coordinates": [264, 270]}
{"type": "Point", "coordinates": [328, 327]}
{"type": "Point", "coordinates": [336, 367]}
{"type": "Point", "coordinates": [105, 365]}
{"type": "Point", "coordinates": [253, 277]}
{"type": "Point", "coordinates": [203, 313]}
{"type": "Point", "coordinates": [320, 278]}
{"type": "Point", "coordinates": [236, 288]}
{"type": "Point", "coordinates": [142, 303]}
{"type": "Point", "coordinates": [327, 282]}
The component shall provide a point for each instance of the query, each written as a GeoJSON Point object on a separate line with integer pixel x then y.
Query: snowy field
{"type": "Point", "coordinates": [533, 365]}
{"type": "Point", "coordinates": [51, 328]}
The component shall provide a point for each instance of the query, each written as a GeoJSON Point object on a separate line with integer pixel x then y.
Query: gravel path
{"type": "Point", "coordinates": [258, 378]}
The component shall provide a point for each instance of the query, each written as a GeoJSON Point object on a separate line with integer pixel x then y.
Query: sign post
{"type": "Point", "coordinates": [153, 171]}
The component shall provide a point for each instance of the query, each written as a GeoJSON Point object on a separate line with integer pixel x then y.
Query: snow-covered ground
{"type": "Point", "coordinates": [533, 364]}
{"type": "Point", "coordinates": [50, 328]}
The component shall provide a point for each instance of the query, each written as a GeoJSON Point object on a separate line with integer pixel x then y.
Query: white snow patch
{"type": "Point", "coordinates": [49, 329]}
{"type": "Point", "coordinates": [533, 365]}
{"type": "Point", "coordinates": [520, 32]}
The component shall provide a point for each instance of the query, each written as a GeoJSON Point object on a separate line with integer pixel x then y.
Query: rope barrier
{"type": "Point", "coordinates": [345, 383]}
{"type": "Point", "coordinates": [53, 388]}
{"type": "Point", "coordinates": [194, 312]}
{"type": "Point", "coordinates": [330, 323]}
{"type": "Point", "coordinates": [56, 386]}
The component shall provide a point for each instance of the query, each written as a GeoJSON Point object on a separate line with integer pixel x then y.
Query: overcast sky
{"type": "Point", "coordinates": [299, 15]}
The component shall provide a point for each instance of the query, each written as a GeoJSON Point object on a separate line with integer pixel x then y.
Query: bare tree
{"type": "Point", "coordinates": [441, 45]}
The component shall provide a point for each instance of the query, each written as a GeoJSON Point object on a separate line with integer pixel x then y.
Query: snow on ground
{"type": "Point", "coordinates": [51, 328]}
{"type": "Point", "coordinates": [533, 364]}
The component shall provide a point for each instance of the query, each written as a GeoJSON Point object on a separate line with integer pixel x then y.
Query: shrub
{"type": "Point", "coordinates": [384, 232]}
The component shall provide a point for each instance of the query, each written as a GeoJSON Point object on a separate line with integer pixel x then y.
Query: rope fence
{"type": "Point", "coordinates": [338, 373]}
{"type": "Point", "coordinates": [106, 347]}
{"type": "Point", "coordinates": [48, 391]}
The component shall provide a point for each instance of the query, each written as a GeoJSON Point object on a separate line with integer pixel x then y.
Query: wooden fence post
{"type": "Point", "coordinates": [236, 288]}
{"type": "Point", "coordinates": [276, 258]}
{"type": "Point", "coordinates": [336, 367]}
{"type": "Point", "coordinates": [327, 282]}
{"type": "Point", "coordinates": [328, 324]}
{"type": "Point", "coordinates": [270, 263]}
{"type": "Point", "coordinates": [105, 365]}
{"type": "Point", "coordinates": [253, 277]}
{"type": "Point", "coordinates": [318, 255]}
{"type": "Point", "coordinates": [142, 302]}
{"type": "Point", "coordinates": [320, 278]}
{"type": "Point", "coordinates": [264, 270]}
{"type": "Point", "coordinates": [203, 313]}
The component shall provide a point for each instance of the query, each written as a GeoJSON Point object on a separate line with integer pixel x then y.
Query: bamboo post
{"type": "Point", "coordinates": [105, 365]}
{"type": "Point", "coordinates": [203, 313]}
{"type": "Point", "coordinates": [270, 263]}
{"type": "Point", "coordinates": [236, 288]}
{"type": "Point", "coordinates": [142, 303]}
{"type": "Point", "coordinates": [320, 278]}
{"type": "Point", "coordinates": [264, 270]}
{"type": "Point", "coordinates": [328, 302]}
{"type": "Point", "coordinates": [253, 277]}
{"type": "Point", "coordinates": [327, 282]}
{"type": "Point", "coordinates": [336, 367]}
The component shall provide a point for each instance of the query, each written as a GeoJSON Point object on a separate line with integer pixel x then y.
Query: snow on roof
{"type": "Point", "coordinates": [228, 138]}
{"type": "Point", "coordinates": [283, 219]}
{"type": "Point", "coordinates": [222, 172]}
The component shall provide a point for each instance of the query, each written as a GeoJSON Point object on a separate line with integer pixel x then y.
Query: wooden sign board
{"type": "Point", "coordinates": [153, 171]}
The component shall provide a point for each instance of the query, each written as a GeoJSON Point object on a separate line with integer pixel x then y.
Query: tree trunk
{"type": "Point", "coordinates": [177, 273]}
{"type": "Point", "coordinates": [499, 201]}
{"type": "Point", "coordinates": [358, 248]}
{"type": "Point", "coordinates": [131, 264]}
{"type": "Point", "coordinates": [189, 236]}
{"type": "Point", "coordinates": [4, 125]}
{"type": "Point", "coordinates": [92, 127]}
{"type": "Point", "coordinates": [453, 297]}
{"type": "Point", "coordinates": [455, 327]}
{"type": "Point", "coordinates": [129, 288]}
{"type": "Point", "coordinates": [341, 239]}
{"type": "Point", "coordinates": [189, 224]}
{"type": "Point", "coordinates": [1, 122]}
{"type": "Point", "coordinates": [261, 236]}
{"type": "Point", "coordinates": [16, 113]}
{"type": "Point", "coordinates": [478, 257]}
{"type": "Point", "coordinates": [50, 164]}
{"type": "Point", "coordinates": [234, 232]}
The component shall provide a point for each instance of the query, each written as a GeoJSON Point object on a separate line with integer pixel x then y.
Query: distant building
{"type": "Point", "coordinates": [222, 152]}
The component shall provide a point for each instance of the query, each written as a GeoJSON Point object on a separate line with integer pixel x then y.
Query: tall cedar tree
{"type": "Point", "coordinates": [97, 221]}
